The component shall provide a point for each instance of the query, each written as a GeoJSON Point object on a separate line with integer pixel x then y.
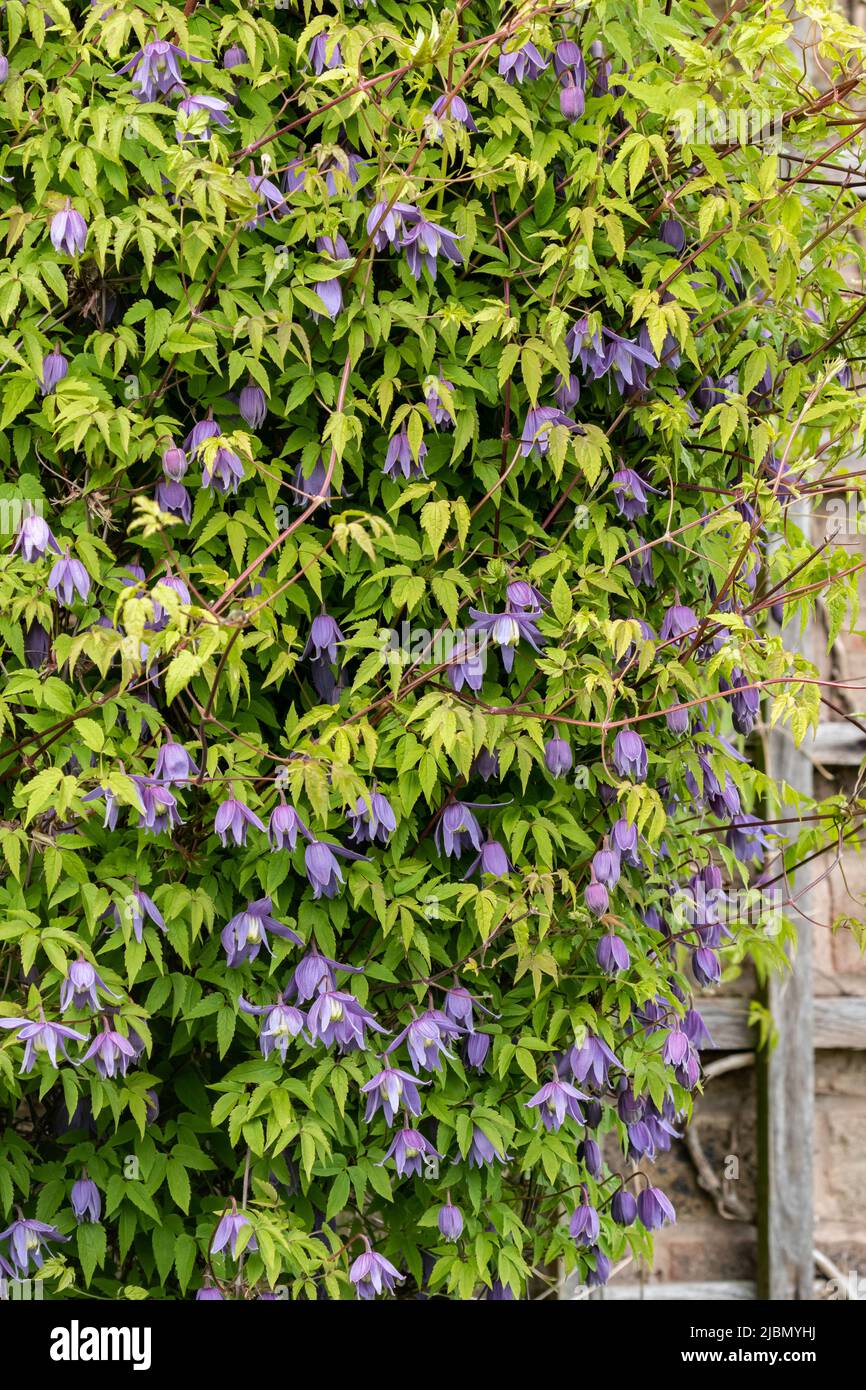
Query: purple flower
{"type": "Point", "coordinates": [174, 764]}
{"type": "Point", "coordinates": [246, 933]}
{"type": "Point", "coordinates": [232, 819]}
{"type": "Point", "coordinates": [572, 98]}
{"type": "Point", "coordinates": [678, 621]}
{"type": "Point", "coordinates": [525, 597]}
{"type": "Point", "coordinates": [584, 1224]}
{"type": "Point", "coordinates": [41, 1036]}
{"type": "Point", "coordinates": [601, 1273]}
{"type": "Point", "coordinates": [156, 71]}
{"type": "Point", "coordinates": [68, 230]}
{"type": "Point", "coordinates": [440, 413]}
{"type": "Point", "coordinates": [68, 577]}
{"type": "Point", "coordinates": [315, 971]}
{"type": "Point", "coordinates": [466, 662]}
{"type": "Point", "coordinates": [492, 860]}
{"type": "Point", "coordinates": [567, 58]}
{"type": "Point", "coordinates": [450, 1222]}
{"type": "Point", "coordinates": [80, 987]}
{"type": "Point", "coordinates": [424, 241]}
{"type": "Point", "coordinates": [400, 458]}
{"type": "Point", "coordinates": [592, 1060]}
{"type": "Point", "coordinates": [234, 57]}
{"type": "Point", "coordinates": [174, 499]}
{"type": "Point", "coordinates": [705, 966]}
{"type": "Point", "coordinates": [672, 234]}
{"type": "Point", "coordinates": [318, 54]}
{"type": "Point", "coordinates": [630, 755]}
{"type": "Point", "coordinates": [283, 827]}
{"type": "Point", "coordinates": [676, 1048]}
{"type": "Point", "coordinates": [408, 1149]}
{"type": "Point", "coordinates": [35, 539]}
{"type": "Point", "coordinates": [567, 392]}
{"type": "Point", "coordinates": [4, 68]}
{"type": "Point", "coordinates": [253, 405]}
{"type": "Point", "coordinates": [555, 1100]}
{"type": "Point", "coordinates": [323, 871]}
{"type": "Point", "coordinates": [605, 866]}
{"type": "Point", "coordinates": [215, 109]}
{"type": "Point", "coordinates": [654, 1209]}
{"type": "Point", "coordinates": [271, 200]}
{"type": "Point", "coordinates": [280, 1023]}
{"type": "Point", "coordinates": [482, 1151]}
{"type": "Point", "coordinates": [228, 1232]}
{"type": "Point", "coordinates": [522, 62]}
{"type": "Point", "coordinates": [86, 1201]}
{"type": "Point", "coordinates": [113, 1052]}
{"type": "Point", "coordinates": [507, 630]}
{"type": "Point", "coordinates": [485, 765]}
{"type": "Point", "coordinates": [373, 822]}
{"type": "Point", "coordinates": [139, 906]}
{"type": "Point", "coordinates": [745, 836]}
{"type": "Point", "coordinates": [54, 369]}
{"type": "Point", "coordinates": [630, 493]}
{"type": "Point", "coordinates": [596, 898]}
{"type": "Point", "coordinates": [612, 954]}
{"type": "Point", "coordinates": [627, 360]}
{"type": "Point", "coordinates": [540, 420]}
{"type": "Point", "coordinates": [557, 757]}
{"type": "Point", "coordinates": [456, 828]}
{"type": "Point", "coordinates": [426, 1039]}
{"type": "Point", "coordinates": [386, 224]}
{"type": "Point", "coordinates": [201, 430]}
{"type": "Point", "coordinates": [372, 1273]}
{"type": "Point", "coordinates": [451, 107]}
{"type": "Point", "coordinates": [476, 1049]}
{"type": "Point", "coordinates": [323, 639]}
{"type": "Point", "coordinates": [391, 1089]}
{"type": "Point", "coordinates": [331, 294]}
{"type": "Point", "coordinates": [174, 463]}
{"type": "Point", "coordinates": [623, 1208]}
{"type": "Point", "coordinates": [677, 720]}
{"type": "Point", "coordinates": [224, 472]}
{"type": "Point", "coordinates": [37, 645]}
{"type": "Point", "coordinates": [337, 1017]}
{"type": "Point", "coordinates": [459, 1004]}
{"type": "Point", "coordinates": [208, 1293]}
{"type": "Point", "coordinates": [159, 806]}
{"type": "Point", "coordinates": [27, 1241]}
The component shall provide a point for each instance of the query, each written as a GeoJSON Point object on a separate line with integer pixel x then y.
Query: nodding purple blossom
{"type": "Point", "coordinates": [341, 171]}
{"type": "Point", "coordinates": [492, 859]}
{"type": "Point", "coordinates": [624, 839]}
{"type": "Point", "coordinates": [482, 1151]}
{"type": "Point", "coordinates": [400, 458]}
{"type": "Point", "coordinates": [174, 463]}
{"type": "Point", "coordinates": [677, 622]}
{"type": "Point", "coordinates": [386, 224]}
{"type": "Point", "coordinates": [373, 823]}
{"type": "Point", "coordinates": [745, 704]}
{"type": "Point", "coordinates": [467, 662]}
{"type": "Point", "coordinates": [372, 1274]}
{"type": "Point", "coordinates": [155, 69]}
{"type": "Point", "coordinates": [235, 57]}
{"type": "Point", "coordinates": [557, 1100]}
{"type": "Point", "coordinates": [214, 109]}
{"type": "Point", "coordinates": [34, 539]}
{"type": "Point", "coordinates": [37, 645]}
{"type": "Point", "coordinates": [476, 1048]}
{"type": "Point", "coordinates": [584, 343]}
{"type": "Point", "coordinates": [111, 806]}
{"type": "Point", "coordinates": [600, 1273]}
{"type": "Point", "coordinates": [672, 234]}
{"type": "Point", "coordinates": [315, 971]}
{"type": "Point", "coordinates": [630, 755]}
{"type": "Point", "coordinates": [507, 630]}
{"type": "Point", "coordinates": [209, 1293]}
{"type": "Point", "coordinates": [42, 1037]}
{"type": "Point", "coordinates": [201, 430]}
{"type": "Point", "coordinates": [280, 1023]}
{"type": "Point", "coordinates": [174, 764]}
{"type": "Point", "coordinates": [232, 819]}
{"type": "Point", "coordinates": [80, 987]}
{"type": "Point", "coordinates": [567, 58]}
{"type": "Point", "coordinates": [392, 1089]}
{"type": "Point", "coordinates": [612, 954]}
{"type": "Point", "coordinates": [68, 231]}
{"type": "Point", "coordinates": [112, 1051]}
{"type": "Point", "coordinates": [654, 1209]}
{"type": "Point", "coordinates": [596, 898]}
{"type": "Point", "coordinates": [524, 597]}
{"type": "Point", "coordinates": [696, 1030]}
{"type": "Point", "coordinates": [283, 827]}
{"type": "Point", "coordinates": [450, 1222]}
{"type": "Point", "coordinates": [459, 1005]}
{"type": "Point", "coordinates": [523, 62]}
{"type": "Point", "coordinates": [136, 907]}
{"type": "Point", "coordinates": [314, 488]}
{"type": "Point", "coordinates": [271, 200]}
{"type": "Point", "coordinates": [223, 471]}
{"type": "Point", "coordinates": [584, 1224]}
{"type": "Point", "coordinates": [677, 720]}
{"type": "Point", "coordinates": [449, 107]}
{"type": "Point", "coordinates": [322, 869]}
{"type": "Point", "coordinates": [572, 97]}
{"type": "Point", "coordinates": [606, 866]}
{"type": "Point", "coordinates": [745, 836]}
{"type": "Point", "coordinates": [623, 1208]}
{"type": "Point", "coordinates": [54, 369]}
{"type": "Point", "coordinates": [676, 1048]}
{"type": "Point", "coordinates": [253, 405]}
{"type": "Point", "coordinates": [337, 1017]}
{"type": "Point", "coordinates": [323, 639]}
{"type": "Point", "coordinates": [28, 1240]}
{"type": "Point", "coordinates": [86, 1201]}
{"type": "Point", "coordinates": [540, 420]}
{"type": "Point", "coordinates": [567, 392]}
{"type": "Point", "coordinates": [426, 1038]}
{"type": "Point", "coordinates": [705, 966]}
{"type": "Point", "coordinates": [228, 1233]}
{"type": "Point", "coordinates": [440, 412]}
{"type": "Point", "coordinates": [4, 68]}
{"type": "Point", "coordinates": [500, 1293]}
{"type": "Point", "coordinates": [627, 361]}
{"type": "Point", "coordinates": [409, 1150]}
{"type": "Point", "coordinates": [323, 53]}
{"type": "Point", "coordinates": [592, 1059]}
{"type": "Point", "coordinates": [159, 806]}
{"type": "Point", "coordinates": [424, 242]}
{"type": "Point", "coordinates": [485, 765]}
{"type": "Point", "coordinates": [331, 295]}
{"type": "Point", "coordinates": [456, 829]}
{"type": "Point", "coordinates": [247, 932]}
{"type": "Point", "coordinates": [68, 577]}
{"type": "Point", "coordinates": [630, 493]}
{"type": "Point", "coordinates": [557, 757]}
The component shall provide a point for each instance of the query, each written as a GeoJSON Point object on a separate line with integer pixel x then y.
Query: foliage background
{"type": "Point", "coordinates": [175, 303]}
